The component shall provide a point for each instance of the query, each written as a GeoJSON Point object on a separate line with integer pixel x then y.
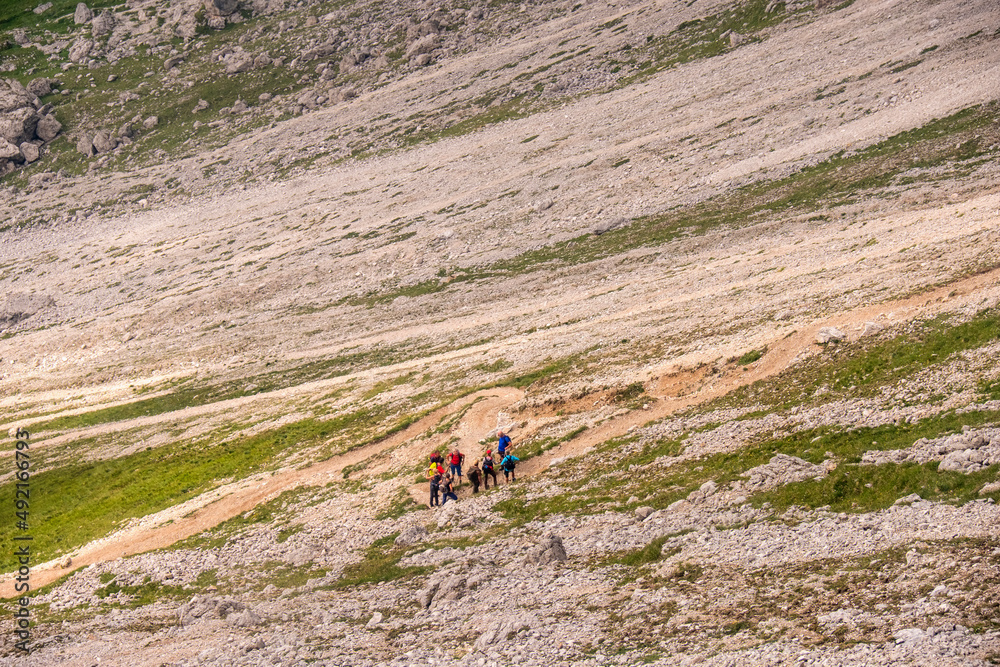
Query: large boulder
{"type": "Point", "coordinates": [19, 125]}
{"type": "Point", "coordinates": [30, 152]}
{"type": "Point", "coordinates": [221, 7]}
{"type": "Point", "coordinates": [9, 151]}
{"type": "Point", "coordinates": [103, 23]}
{"type": "Point", "coordinates": [104, 142]}
{"type": "Point", "coordinates": [80, 49]}
{"type": "Point", "coordinates": [40, 87]}
{"type": "Point", "coordinates": [82, 14]}
{"type": "Point", "coordinates": [48, 128]}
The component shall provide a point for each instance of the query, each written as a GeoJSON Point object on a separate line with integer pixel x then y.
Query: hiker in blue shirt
{"type": "Point", "coordinates": [503, 443]}
{"type": "Point", "coordinates": [507, 465]}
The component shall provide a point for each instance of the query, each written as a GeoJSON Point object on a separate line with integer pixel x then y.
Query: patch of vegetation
{"type": "Point", "coordinates": [748, 358]}
{"type": "Point", "coordinates": [402, 503]}
{"type": "Point", "coordinates": [699, 38]}
{"type": "Point", "coordinates": [149, 591]}
{"type": "Point", "coordinates": [95, 497]}
{"type": "Point", "coordinates": [381, 563]}
{"type": "Point", "coordinates": [864, 367]}
{"type": "Point", "coordinates": [854, 488]}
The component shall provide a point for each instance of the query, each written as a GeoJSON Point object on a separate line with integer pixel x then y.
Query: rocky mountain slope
{"type": "Point", "coordinates": [726, 271]}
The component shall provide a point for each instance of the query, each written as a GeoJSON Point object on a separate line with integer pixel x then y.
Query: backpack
{"type": "Point", "coordinates": [487, 463]}
{"type": "Point", "coordinates": [507, 463]}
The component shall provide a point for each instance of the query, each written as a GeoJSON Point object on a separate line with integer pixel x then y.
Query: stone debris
{"type": "Point", "coordinates": [780, 470]}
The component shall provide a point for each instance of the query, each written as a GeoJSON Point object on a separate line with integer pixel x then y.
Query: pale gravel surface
{"type": "Point", "coordinates": [222, 284]}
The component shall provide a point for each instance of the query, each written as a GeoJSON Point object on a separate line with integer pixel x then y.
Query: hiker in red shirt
{"type": "Point", "coordinates": [455, 464]}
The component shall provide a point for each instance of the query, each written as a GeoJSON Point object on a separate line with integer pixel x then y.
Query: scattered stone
{"type": "Point", "coordinates": [239, 107]}
{"type": "Point", "coordinates": [151, 122]}
{"type": "Point", "coordinates": [85, 144]}
{"type": "Point", "coordinates": [987, 489]}
{"type": "Point", "coordinates": [19, 306]}
{"type": "Point", "coordinates": [374, 620]}
{"type": "Point", "coordinates": [643, 513]}
{"type": "Point", "coordinates": [908, 500]}
{"type": "Point", "coordinates": [205, 606]}
{"type": "Point", "coordinates": [201, 106]}
{"type": "Point", "coordinates": [549, 550]}
{"type": "Point", "coordinates": [609, 225]}
{"type": "Point", "coordinates": [829, 335]}
{"type": "Point", "coordinates": [780, 470]}
{"type": "Point", "coordinates": [41, 9]}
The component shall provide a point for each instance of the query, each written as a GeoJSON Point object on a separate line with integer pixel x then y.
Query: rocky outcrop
{"type": "Point", "coordinates": [549, 550]}
{"type": "Point", "coordinates": [25, 124]}
{"type": "Point", "coordinates": [780, 470]}
{"type": "Point", "coordinates": [20, 306]}
{"type": "Point", "coordinates": [966, 452]}
{"type": "Point", "coordinates": [103, 24]}
{"type": "Point", "coordinates": [205, 607]}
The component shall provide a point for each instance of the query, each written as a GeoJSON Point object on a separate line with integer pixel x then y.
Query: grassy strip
{"type": "Point", "coordinates": [192, 395]}
{"type": "Point", "coordinates": [75, 504]}
{"type": "Point", "coordinates": [863, 368]}
{"type": "Point", "coordinates": [855, 488]}
{"type": "Point", "coordinates": [851, 487]}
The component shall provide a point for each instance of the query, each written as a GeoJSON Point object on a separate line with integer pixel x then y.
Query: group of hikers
{"type": "Point", "coordinates": [443, 483]}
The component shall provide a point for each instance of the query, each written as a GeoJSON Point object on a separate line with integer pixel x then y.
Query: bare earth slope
{"type": "Point", "coordinates": [726, 271]}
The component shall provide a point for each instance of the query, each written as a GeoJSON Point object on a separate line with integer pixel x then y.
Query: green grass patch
{"type": "Point", "coordinates": [864, 367]}
{"type": "Point", "coordinates": [854, 488]}
{"type": "Point", "coordinates": [748, 358]}
{"type": "Point", "coordinates": [381, 563]}
{"type": "Point", "coordinates": [84, 501]}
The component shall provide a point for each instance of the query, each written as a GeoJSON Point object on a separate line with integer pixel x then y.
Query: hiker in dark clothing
{"type": "Point", "coordinates": [489, 468]}
{"type": "Point", "coordinates": [507, 465]}
{"type": "Point", "coordinates": [448, 491]}
{"type": "Point", "coordinates": [474, 476]}
{"type": "Point", "coordinates": [435, 487]}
